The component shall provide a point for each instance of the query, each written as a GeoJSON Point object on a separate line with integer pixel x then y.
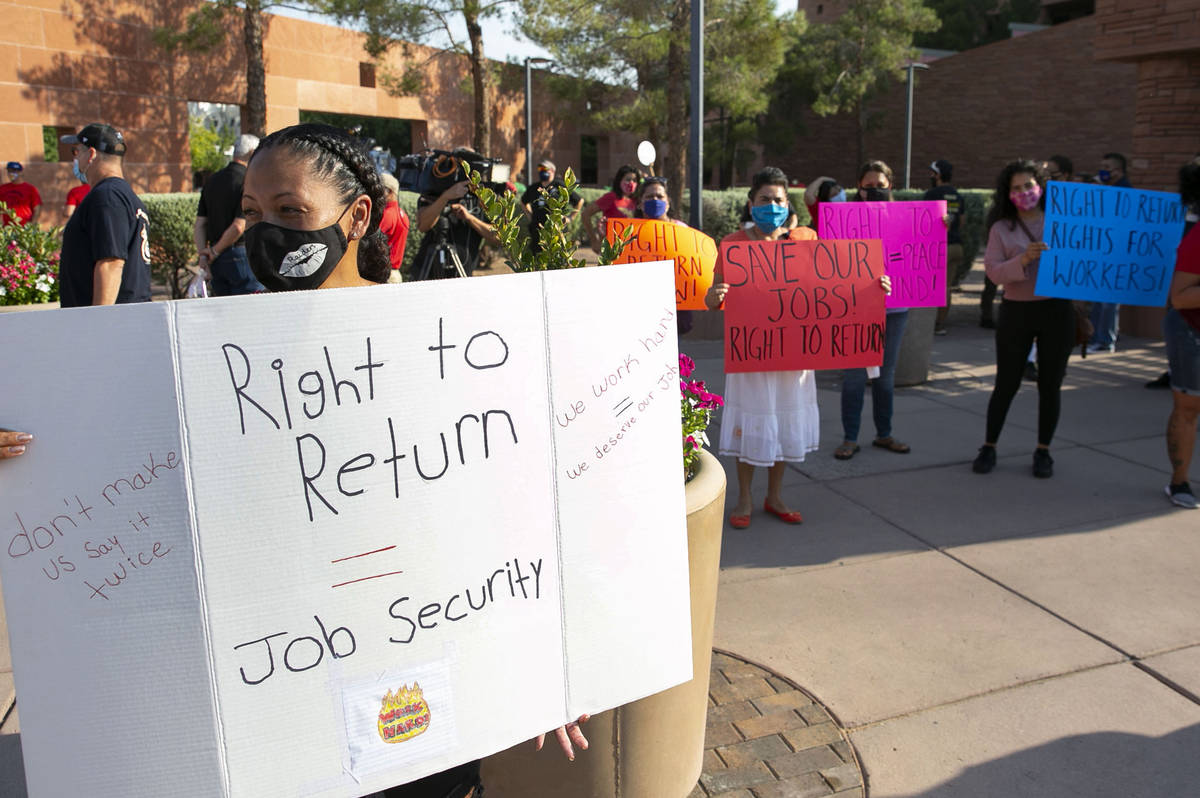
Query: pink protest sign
{"type": "Point", "coordinates": [914, 244]}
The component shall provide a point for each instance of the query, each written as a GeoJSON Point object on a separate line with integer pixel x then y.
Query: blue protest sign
{"type": "Point", "coordinates": [1109, 244]}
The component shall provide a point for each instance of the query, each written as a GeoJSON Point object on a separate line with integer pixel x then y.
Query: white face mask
{"type": "Point", "coordinates": [80, 171]}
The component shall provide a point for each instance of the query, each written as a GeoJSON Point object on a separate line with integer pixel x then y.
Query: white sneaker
{"type": "Point", "coordinates": [1093, 349]}
{"type": "Point", "coordinates": [1181, 496]}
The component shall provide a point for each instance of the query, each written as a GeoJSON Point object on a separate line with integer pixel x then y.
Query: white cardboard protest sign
{"type": "Point", "coordinates": [329, 542]}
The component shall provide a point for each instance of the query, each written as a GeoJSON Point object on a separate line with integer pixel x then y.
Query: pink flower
{"type": "Point", "coordinates": [686, 365]}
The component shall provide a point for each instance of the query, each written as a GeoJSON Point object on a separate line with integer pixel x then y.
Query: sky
{"type": "Point", "coordinates": [499, 40]}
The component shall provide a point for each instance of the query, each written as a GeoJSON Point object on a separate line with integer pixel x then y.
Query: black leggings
{"type": "Point", "coordinates": [1051, 322]}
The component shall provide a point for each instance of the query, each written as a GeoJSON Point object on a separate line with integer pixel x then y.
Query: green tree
{"type": "Point", "coordinates": [629, 60]}
{"type": "Point", "coordinates": [844, 62]}
{"type": "Point", "coordinates": [206, 28]}
{"type": "Point", "coordinates": [971, 23]}
{"type": "Point", "coordinates": [208, 145]}
{"type": "Point", "coordinates": [387, 23]}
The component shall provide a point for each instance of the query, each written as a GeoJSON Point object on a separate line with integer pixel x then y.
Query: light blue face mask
{"type": "Point", "coordinates": [654, 208]}
{"type": "Point", "coordinates": [838, 197]}
{"type": "Point", "coordinates": [769, 217]}
{"type": "Point", "coordinates": [79, 175]}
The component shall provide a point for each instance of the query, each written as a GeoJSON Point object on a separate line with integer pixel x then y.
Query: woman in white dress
{"type": "Point", "coordinates": [770, 417]}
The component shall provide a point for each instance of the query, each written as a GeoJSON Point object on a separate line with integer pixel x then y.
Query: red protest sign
{"type": "Point", "coordinates": [802, 304]}
{"type": "Point", "coordinates": [694, 253]}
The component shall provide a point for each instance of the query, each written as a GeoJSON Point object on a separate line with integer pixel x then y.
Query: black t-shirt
{"type": "Point", "coordinates": [535, 198]}
{"type": "Point", "coordinates": [110, 222]}
{"type": "Point", "coordinates": [458, 233]}
{"type": "Point", "coordinates": [221, 200]}
{"type": "Point", "coordinates": [954, 208]}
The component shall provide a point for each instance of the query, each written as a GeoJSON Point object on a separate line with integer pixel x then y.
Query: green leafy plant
{"type": "Point", "coordinates": [697, 406]}
{"type": "Point", "coordinates": [209, 145]}
{"type": "Point", "coordinates": [28, 263]}
{"type": "Point", "coordinates": [172, 245]}
{"type": "Point", "coordinates": [558, 244]}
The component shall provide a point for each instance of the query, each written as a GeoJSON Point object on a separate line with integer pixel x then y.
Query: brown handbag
{"type": "Point", "coordinates": [1083, 324]}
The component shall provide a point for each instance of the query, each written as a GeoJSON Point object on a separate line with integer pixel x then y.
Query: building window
{"type": "Point", "coordinates": [820, 8]}
{"type": "Point", "coordinates": [53, 150]}
{"type": "Point", "coordinates": [366, 75]}
{"type": "Point", "coordinates": [589, 160]}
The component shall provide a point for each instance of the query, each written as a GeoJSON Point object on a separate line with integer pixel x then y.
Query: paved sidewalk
{"type": "Point", "coordinates": [991, 635]}
{"type": "Point", "coordinates": [767, 738]}
{"type": "Point", "coordinates": [976, 636]}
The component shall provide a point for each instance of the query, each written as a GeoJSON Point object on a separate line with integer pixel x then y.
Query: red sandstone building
{"type": "Point", "coordinates": [65, 63]}
{"type": "Point", "coordinates": [1125, 78]}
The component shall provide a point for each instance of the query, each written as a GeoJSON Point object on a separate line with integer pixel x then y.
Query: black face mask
{"type": "Point", "coordinates": [284, 259]}
{"type": "Point", "coordinates": [875, 194]}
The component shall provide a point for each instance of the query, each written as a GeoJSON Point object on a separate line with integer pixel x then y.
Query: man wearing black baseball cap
{"type": "Point", "coordinates": [106, 245]}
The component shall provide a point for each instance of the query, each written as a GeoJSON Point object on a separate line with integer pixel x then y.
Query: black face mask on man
{"type": "Point", "coordinates": [284, 259]}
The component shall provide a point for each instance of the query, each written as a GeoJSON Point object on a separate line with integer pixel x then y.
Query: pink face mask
{"type": "Point", "coordinates": [1026, 200]}
{"type": "Point", "coordinates": [628, 186]}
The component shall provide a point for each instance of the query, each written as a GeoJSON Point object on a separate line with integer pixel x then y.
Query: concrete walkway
{"type": "Point", "coordinates": [992, 635]}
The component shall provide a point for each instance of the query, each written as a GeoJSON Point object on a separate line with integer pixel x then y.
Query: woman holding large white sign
{"type": "Point", "coordinates": [1014, 249]}
{"type": "Point", "coordinates": [313, 201]}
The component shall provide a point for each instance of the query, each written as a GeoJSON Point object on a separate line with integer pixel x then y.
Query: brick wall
{"type": "Point", "coordinates": [1131, 29]}
{"type": "Point", "coordinates": [66, 63]}
{"type": "Point", "coordinates": [1038, 95]}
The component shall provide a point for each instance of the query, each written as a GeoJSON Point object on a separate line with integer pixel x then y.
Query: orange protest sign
{"type": "Point", "coordinates": [803, 304]}
{"type": "Point", "coordinates": [694, 253]}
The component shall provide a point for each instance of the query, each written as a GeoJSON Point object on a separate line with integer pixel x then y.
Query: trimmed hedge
{"type": "Point", "coordinates": [173, 217]}
{"type": "Point", "coordinates": [172, 249]}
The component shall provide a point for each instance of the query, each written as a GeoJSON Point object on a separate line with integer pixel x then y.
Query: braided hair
{"type": "Point", "coordinates": [336, 157]}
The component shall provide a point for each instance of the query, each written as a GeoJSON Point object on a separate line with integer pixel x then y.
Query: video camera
{"type": "Point", "coordinates": [434, 171]}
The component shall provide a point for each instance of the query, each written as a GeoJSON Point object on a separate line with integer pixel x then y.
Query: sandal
{"type": "Point", "coordinates": [892, 445]}
{"type": "Point", "coordinates": [739, 521]}
{"type": "Point", "coordinates": [846, 450]}
{"type": "Point", "coordinates": [786, 516]}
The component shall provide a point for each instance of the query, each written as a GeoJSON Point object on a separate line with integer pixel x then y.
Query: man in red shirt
{"type": "Point", "coordinates": [394, 225]}
{"type": "Point", "coordinates": [20, 197]}
{"type": "Point", "coordinates": [74, 197]}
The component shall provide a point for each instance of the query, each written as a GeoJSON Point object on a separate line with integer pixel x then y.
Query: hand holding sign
{"type": "Point", "coordinates": [914, 244]}
{"type": "Point", "coordinates": [694, 253]}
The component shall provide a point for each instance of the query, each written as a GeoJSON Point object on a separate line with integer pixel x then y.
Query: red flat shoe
{"type": "Point", "coordinates": [739, 521]}
{"type": "Point", "coordinates": [790, 517]}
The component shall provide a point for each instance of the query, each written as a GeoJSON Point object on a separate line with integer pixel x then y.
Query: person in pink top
{"type": "Point", "coordinates": [620, 203]}
{"type": "Point", "coordinates": [1014, 249]}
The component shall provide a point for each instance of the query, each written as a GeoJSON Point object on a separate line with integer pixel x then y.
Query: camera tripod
{"type": "Point", "coordinates": [444, 255]}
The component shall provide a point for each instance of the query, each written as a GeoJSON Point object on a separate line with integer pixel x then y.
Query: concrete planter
{"type": "Point", "coordinates": [652, 748]}
{"type": "Point", "coordinates": [21, 308]}
{"type": "Point", "coordinates": [912, 367]}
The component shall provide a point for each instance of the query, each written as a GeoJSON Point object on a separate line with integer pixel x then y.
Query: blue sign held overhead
{"type": "Point", "coordinates": [1109, 244]}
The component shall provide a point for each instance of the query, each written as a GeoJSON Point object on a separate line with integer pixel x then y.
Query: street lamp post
{"type": "Point", "coordinates": [908, 114]}
{"type": "Point", "coordinates": [529, 61]}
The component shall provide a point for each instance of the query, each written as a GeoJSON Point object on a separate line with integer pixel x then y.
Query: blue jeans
{"type": "Point", "coordinates": [1104, 323]}
{"type": "Point", "coordinates": [231, 273]}
{"type": "Point", "coordinates": [854, 385]}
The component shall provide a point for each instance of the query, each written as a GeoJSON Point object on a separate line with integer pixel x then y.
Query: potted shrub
{"type": "Point", "coordinates": [654, 747]}
{"type": "Point", "coordinates": [28, 263]}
